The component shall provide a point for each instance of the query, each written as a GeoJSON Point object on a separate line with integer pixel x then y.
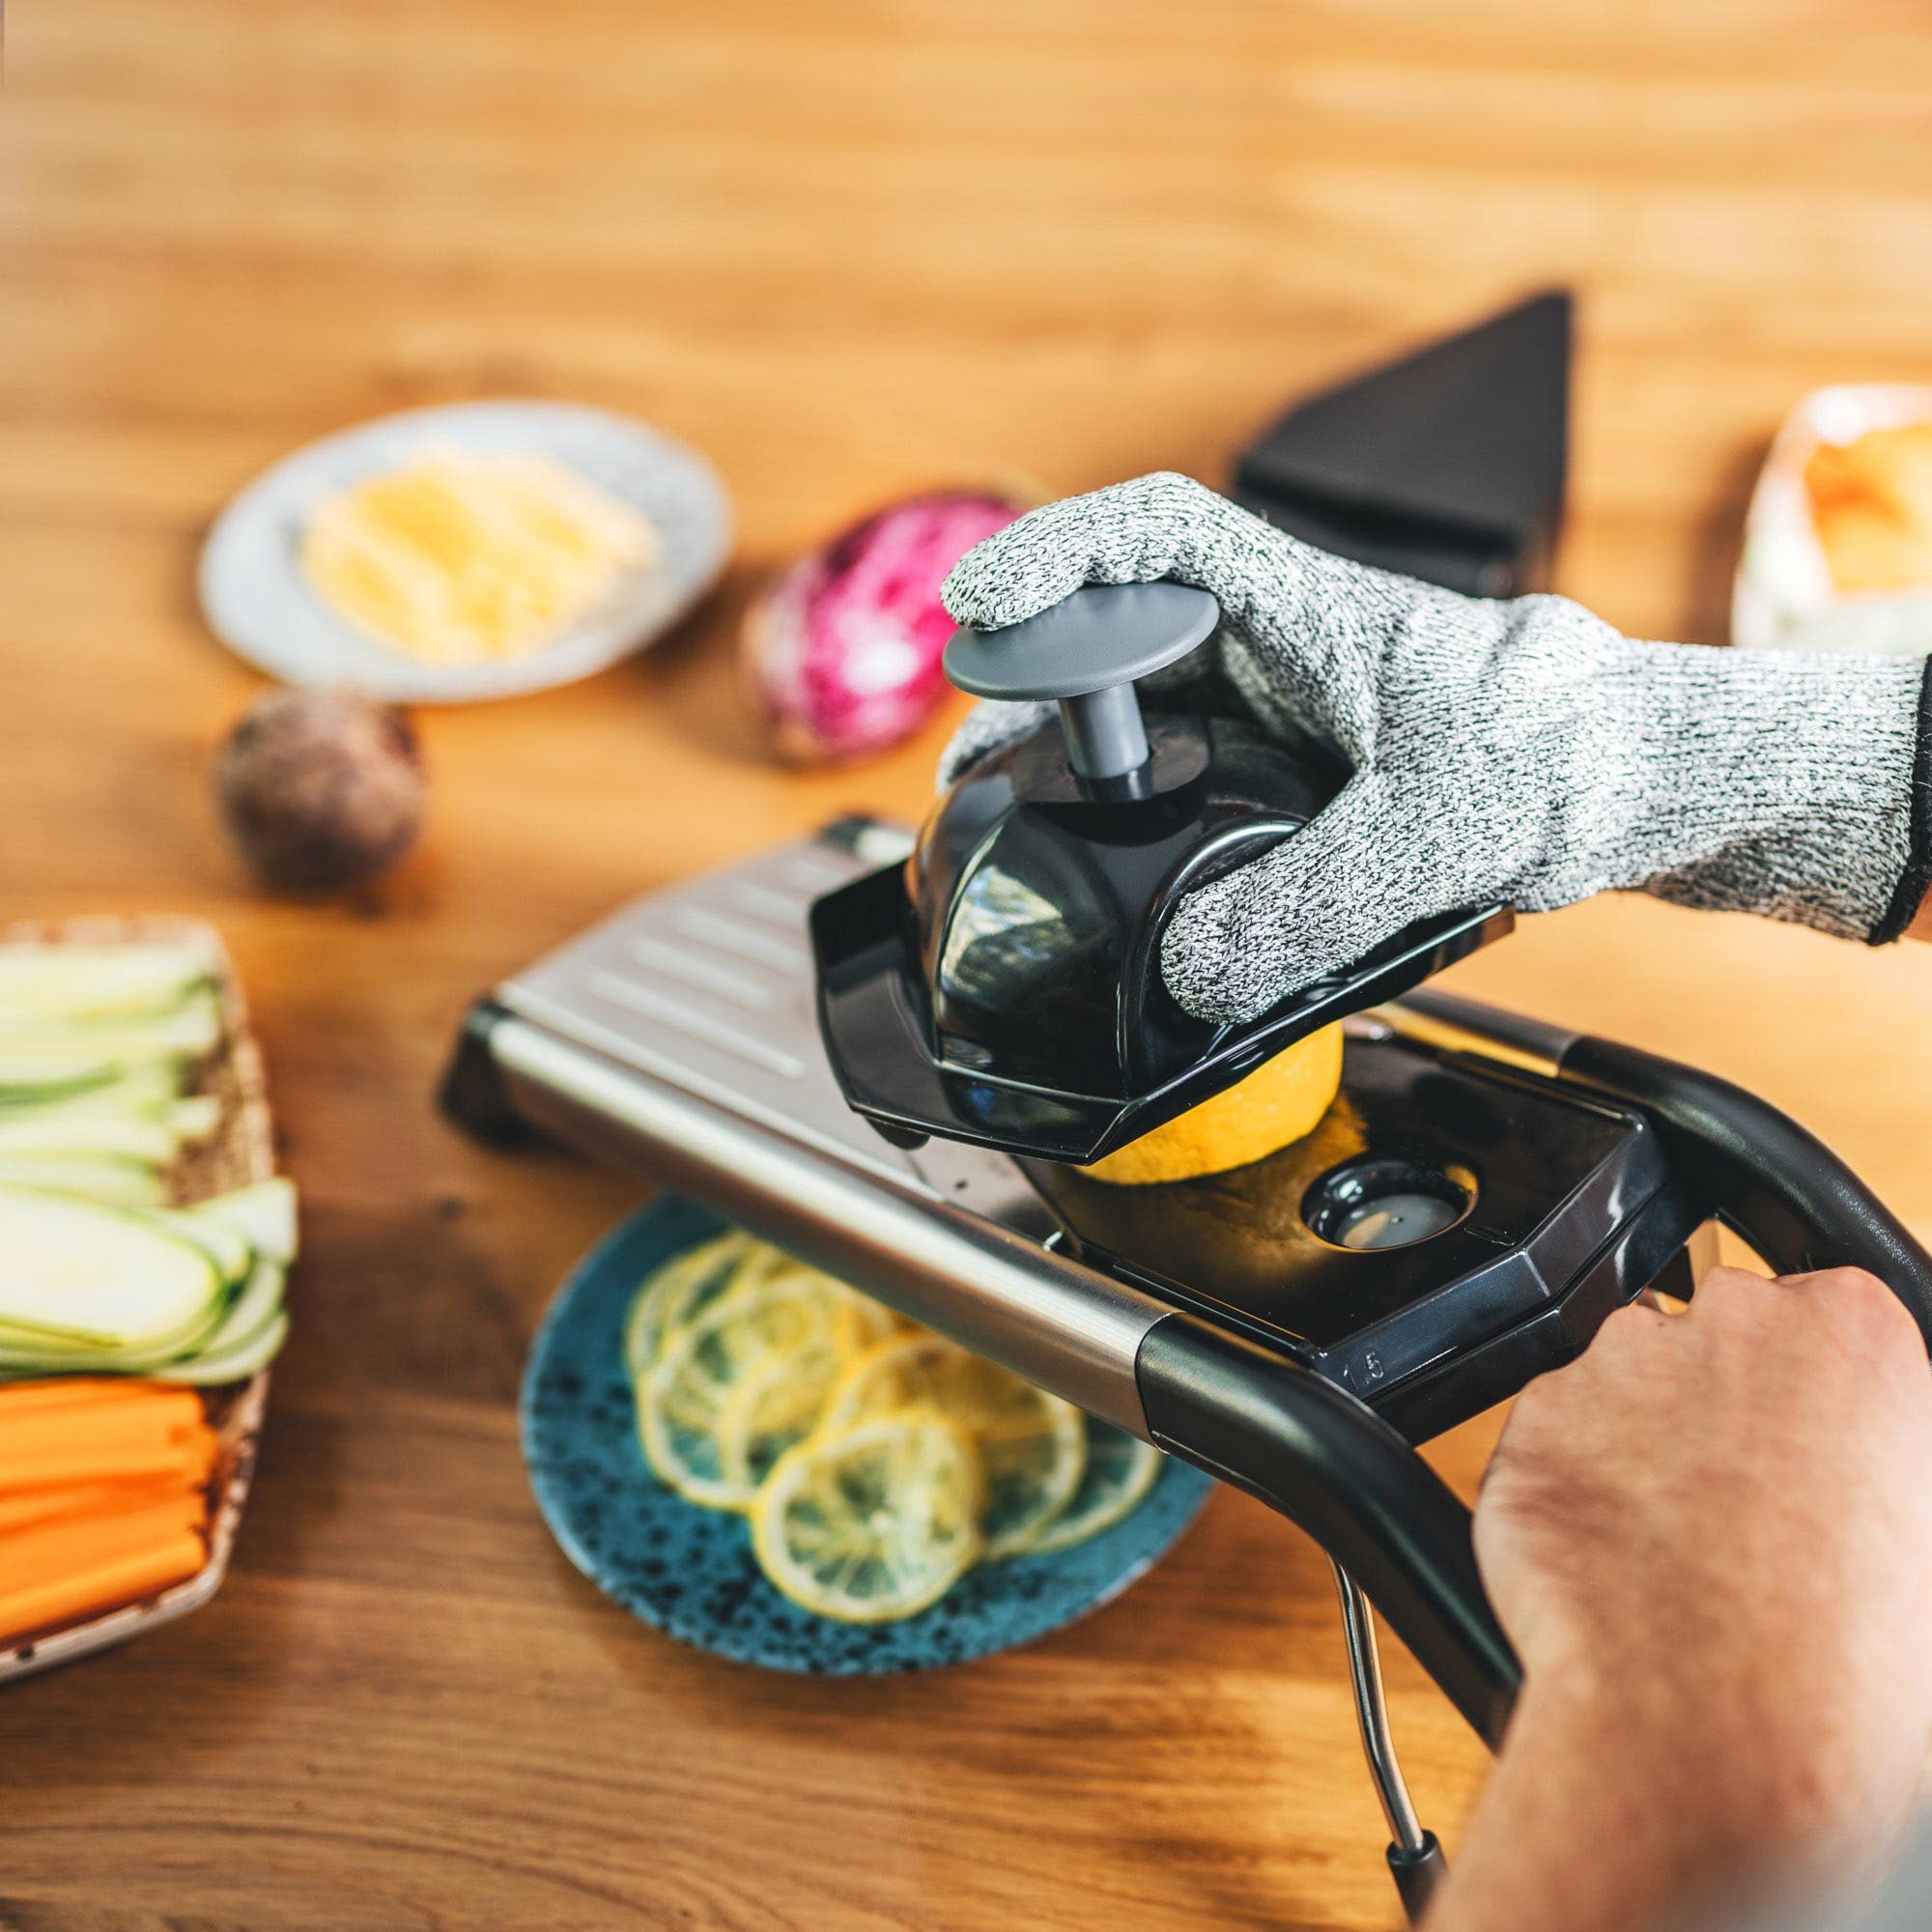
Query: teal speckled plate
{"type": "Point", "coordinates": [690, 1572]}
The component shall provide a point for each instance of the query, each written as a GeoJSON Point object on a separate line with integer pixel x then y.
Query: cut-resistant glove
{"type": "Point", "coordinates": [1522, 751]}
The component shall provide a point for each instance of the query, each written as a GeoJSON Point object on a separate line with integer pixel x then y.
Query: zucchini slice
{"type": "Point", "coordinates": [184, 1032]}
{"type": "Point", "coordinates": [226, 1246]}
{"type": "Point", "coordinates": [251, 1311]}
{"type": "Point", "coordinates": [61, 1130]}
{"type": "Point", "coordinates": [145, 1091]}
{"type": "Point", "coordinates": [223, 1331]}
{"type": "Point", "coordinates": [195, 1118]}
{"type": "Point", "coordinates": [75, 1270]}
{"type": "Point", "coordinates": [50, 1072]}
{"type": "Point", "coordinates": [107, 1180]}
{"type": "Point", "coordinates": [231, 1365]}
{"type": "Point", "coordinates": [23, 1352]}
{"type": "Point", "coordinates": [114, 1102]}
{"type": "Point", "coordinates": [225, 1327]}
{"type": "Point", "coordinates": [59, 980]}
{"type": "Point", "coordinates": [263, 1214]}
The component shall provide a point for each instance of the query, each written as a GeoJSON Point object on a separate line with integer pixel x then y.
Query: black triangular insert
{"type": "Point", "coordinates": [1448, 465]}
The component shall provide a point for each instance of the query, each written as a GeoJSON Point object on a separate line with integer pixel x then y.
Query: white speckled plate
{"type": "Point", "coordinates": [260, 605]}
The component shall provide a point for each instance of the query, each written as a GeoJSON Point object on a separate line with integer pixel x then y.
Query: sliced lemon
{"type": "Point", "coordinates": [778, 1405]}
{"type": "Point", "coordinates": [1034, 1459]}
{"type": "Point", "coordinates": [856, 1321]}
{"type": "Point", "coordinates": [1278, 1103]}
{"type": "Point", "coordinates": [875, 1522]}
{"type": "Point", "coordinates": [677, 1288]}
{"type": "Point", "coordinates": [1034, 1445]}
{"type": "Point", "coordinates": [1121, 1470]}
{"type": "Point", "coordinates": [862, 1323]}
{"type": "Point", "coordinates": [684, 1397]}
{"type": "Point", "coordinates": [924, 1370]}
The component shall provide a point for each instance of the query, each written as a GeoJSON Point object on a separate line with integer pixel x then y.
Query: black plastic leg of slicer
{"type": "Point", "coordinates": [1418, 1875]}
{"type": "Point", "coordinates": [473, 1093]}
{"type": "Point", "coordinates": [1415, 1859]}
{"type": "Point", "coordinates": [1335, 1468]}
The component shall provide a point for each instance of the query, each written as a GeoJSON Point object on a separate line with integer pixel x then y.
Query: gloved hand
{"type": "Point", "coordinates": [1522, 751]}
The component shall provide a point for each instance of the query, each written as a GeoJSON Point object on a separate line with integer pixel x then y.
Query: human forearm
{"type": "Point", "coordinates": [1710, 1542]}
{"type": "Point", "coordinates": [1610, 1812]}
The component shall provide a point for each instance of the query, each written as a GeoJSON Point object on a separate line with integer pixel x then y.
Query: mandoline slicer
{"type": "Point", "coordinates": [892, 1057]}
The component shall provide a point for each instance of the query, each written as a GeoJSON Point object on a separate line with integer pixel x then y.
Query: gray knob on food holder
{"type": "Point", "coordinates": [1086, 651]}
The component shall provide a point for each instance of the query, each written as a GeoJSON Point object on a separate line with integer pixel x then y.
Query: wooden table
{"type": "Point", "coordinates": [846, 250]}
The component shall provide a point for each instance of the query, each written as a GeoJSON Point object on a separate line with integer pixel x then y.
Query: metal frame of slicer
{"type": "Point", "coordinates": [681, 1037]}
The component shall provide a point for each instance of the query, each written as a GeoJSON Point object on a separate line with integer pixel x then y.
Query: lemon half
{"type": "Point", "coordinates": [1278, 1103]}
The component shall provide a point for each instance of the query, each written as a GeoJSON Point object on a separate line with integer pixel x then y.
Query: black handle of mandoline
{"type": "Point", "coordinates": [1335, 1468]}
{"type": "Point", "coordinates": [1778, 1185]}
{"type": "Point", "coordinates": [1754, 1167]}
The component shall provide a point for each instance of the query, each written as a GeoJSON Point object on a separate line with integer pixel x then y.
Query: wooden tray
{"type": "Point", "coordinates": [239, 1150]}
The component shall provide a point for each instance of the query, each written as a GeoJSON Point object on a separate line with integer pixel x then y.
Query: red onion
{"type": "Point", "coordinates": [843, 649]}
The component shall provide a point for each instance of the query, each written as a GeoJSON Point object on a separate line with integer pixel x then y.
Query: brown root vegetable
{"type": "Point", "coordinates": [320, 788]}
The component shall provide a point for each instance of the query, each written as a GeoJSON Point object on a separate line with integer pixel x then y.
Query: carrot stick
{"type": "Point", "coordinates": [21, 1508]}
{"type": "Point", "coordinates": [61, 1549]}
{"type": "Point", "coordinates": [75, 1429]}
{"type": "Point", "coordinates": [34, 1465]}
{"type": "Point", "coordinates": [99, 1585]}
{"type": "Point", "coordinates": [190, 1460]}
{"type": "Point", "coordinates": [78, 1391]}
{"type": "Point", "coordinates": [155, 1402]}
{"type": "Point", "coordinates": [22, 1435]}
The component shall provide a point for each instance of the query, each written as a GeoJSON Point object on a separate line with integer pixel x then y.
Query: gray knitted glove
{"type": "Point", "coordinates": [1522, 751]}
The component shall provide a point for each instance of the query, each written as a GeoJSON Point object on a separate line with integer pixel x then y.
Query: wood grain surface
{"type": "Point", "coordinates": [845, 248]}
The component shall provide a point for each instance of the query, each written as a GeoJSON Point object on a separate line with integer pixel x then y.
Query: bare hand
{"type": "Point", "coordinates": [1711, 1542]}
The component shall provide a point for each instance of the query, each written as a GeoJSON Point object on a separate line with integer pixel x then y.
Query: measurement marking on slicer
{"type": "Point", "coordinates": [811, 880]}
{"type": "Point", "coordinates": [748, 942]}
{"type": "Point", "coordinates": [767, 902]}
{"type": "Point", "coordinates": [617, 991]}
{"type": "Point", "coordinates": [696, 969]}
